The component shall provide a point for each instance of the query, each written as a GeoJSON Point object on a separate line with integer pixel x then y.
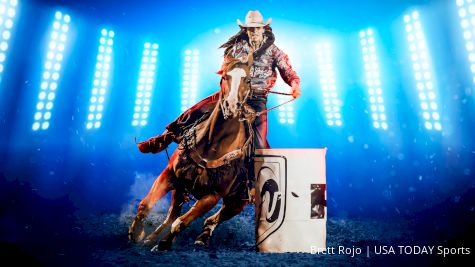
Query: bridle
{"type": "Point", "coordinates": [241, 104]}
{"type": "Point", "coordinates": [246, 115]}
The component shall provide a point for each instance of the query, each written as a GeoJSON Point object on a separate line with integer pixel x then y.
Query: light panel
{"type": "Point", "coordinates": [466, 11]}
{"type": "Point", "coordinates": [422, 70]}
{"type": "Point", "coordinates": [51, 71]}
{"type": "Point", "coordinates": [373, 79]}
{"type": "Point", "coordinates": [190, 79]}
{"type": "Point", "coordinates": [7, 15]}
{"type": "Point", "coordinates": [331, 101]}
{"type": "Point", "coordinates": [101, 79]}
{"type": "Point", "coordinates": [286, 111]}
{"type": "Point", "coordinates": [145, 84]}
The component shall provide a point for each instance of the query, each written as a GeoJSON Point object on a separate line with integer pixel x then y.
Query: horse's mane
{"type": "Point", "coordinates": [213, 118]}
{"type": "Point", "coordinates": [210, 123]}
{"type": "Point", "coordinates": [229, 63]}
{"type": "Point", "coordinates": [242, 35]}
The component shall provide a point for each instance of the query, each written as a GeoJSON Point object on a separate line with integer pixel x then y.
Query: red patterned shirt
{"type": "Point", "coordinates": [263, 70]}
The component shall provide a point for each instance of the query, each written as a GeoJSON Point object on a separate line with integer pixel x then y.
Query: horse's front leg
{"type": "Point", "coordinates": [161, 186]}
{"type": "Point", "coordinates": [201, 206]}
{"type": "Point", "coordinates": [173, 213]}
{"type": "Point", "coordinates": [229, 209]}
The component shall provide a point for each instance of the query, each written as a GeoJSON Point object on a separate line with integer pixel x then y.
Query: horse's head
{"type": "Point", "coordinates": [235, 86]}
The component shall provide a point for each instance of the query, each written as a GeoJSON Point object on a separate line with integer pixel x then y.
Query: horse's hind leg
{"type": "Point", "coordinates": [160, 188]}
{"type": "Point", "coordinates": [173, 213]}
{"type": "Point", "coordinates": [229, 209]}
{"type": "Point", "coordinates": [201, 206]}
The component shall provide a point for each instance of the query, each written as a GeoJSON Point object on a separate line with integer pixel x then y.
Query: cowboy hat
{"type": "Point", "coordinates": [254, 19]}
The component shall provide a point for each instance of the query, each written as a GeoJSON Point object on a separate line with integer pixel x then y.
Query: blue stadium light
{"type": "Point", "coordinates": [101, 79]}
{"type": "Point", "coordinates": [51, 71]}
{"type": "Point", "coordinates": [145, 84]}
{"type": "Point", "coordinates": [373, 79]}
{"type": "Point", "coordinates": [331, 100]}
{"type": "Point", "coordinates": [466, 10]}
{"type": "Point", "coordinates": [422, 71]}
{"type": "Point", "coordinates": [7, 15]}
{"type": "Point", "coordinates": [286, 112]}
{"type": "Point", "coordinates": [190, 79]}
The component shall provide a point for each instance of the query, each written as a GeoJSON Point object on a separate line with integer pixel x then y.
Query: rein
{"type": "Point", "coordinates": [279, 93]}
{"type": "Point", "coordinates": [274, 107]}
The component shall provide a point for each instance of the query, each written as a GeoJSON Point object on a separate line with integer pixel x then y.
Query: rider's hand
{"type": "Point", "coordinates": [252, 196]}
{"type": "Point", "coordinates": [296, 89]}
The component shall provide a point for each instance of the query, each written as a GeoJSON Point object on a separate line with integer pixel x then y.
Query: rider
{"type": "Point", "coordinates": [254, 36]}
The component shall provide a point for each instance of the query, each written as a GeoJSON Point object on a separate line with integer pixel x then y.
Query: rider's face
{"type": "Point", "coordinates": [256, 34]}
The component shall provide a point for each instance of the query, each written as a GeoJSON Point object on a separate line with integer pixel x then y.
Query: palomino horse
{"type": "Point", "coordinates": [209, 164]}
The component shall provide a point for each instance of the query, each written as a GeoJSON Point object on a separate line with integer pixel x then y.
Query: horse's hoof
{"type": "Point", "coordinates": [131, 236]}
{"type": "Point", "coordinates": [164, 245]}
{"type": "Point", "coordinates": [136, 231]}
{"type": "Point", "coordinates": [154, 249]}
{"type": "Point", "coordinates": [200, 243]}
{"type": "Point", "coordinates": [202, 240]}
{"type": "Point", "coordinates": [148, 242]}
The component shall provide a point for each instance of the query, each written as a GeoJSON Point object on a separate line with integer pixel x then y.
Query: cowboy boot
{"type": "Point", "coordinates": [156, 144]}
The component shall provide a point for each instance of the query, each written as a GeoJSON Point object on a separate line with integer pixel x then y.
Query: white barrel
{"type": "Point", "coordinates": [291, 206]}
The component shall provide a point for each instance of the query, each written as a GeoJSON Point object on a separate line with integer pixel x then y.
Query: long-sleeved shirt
{"type": "Point", "coordinates": [263, 71]}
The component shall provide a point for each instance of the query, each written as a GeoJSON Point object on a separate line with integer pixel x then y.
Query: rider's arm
{"type": "Point", "coordinates": [286, 71]}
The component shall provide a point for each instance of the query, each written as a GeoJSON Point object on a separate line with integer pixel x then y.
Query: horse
{"type": "Point", "coordinates": [209, 164]}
